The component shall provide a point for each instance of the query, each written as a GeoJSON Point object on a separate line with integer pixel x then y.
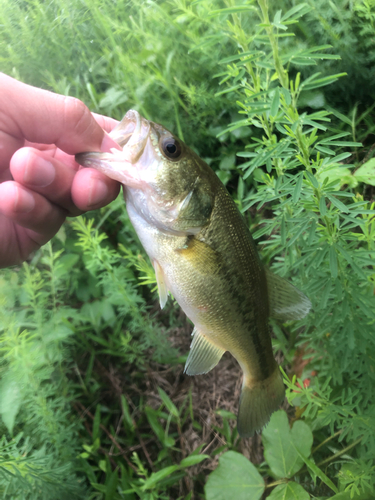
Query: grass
{"type": "Point", "coordinates": [94, 403]}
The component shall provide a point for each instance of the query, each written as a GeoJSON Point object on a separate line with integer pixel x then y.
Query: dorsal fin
{"type": "Point", "coordinates": [286, 302]}
{"type": "Point", "coordinates": [203, 355]}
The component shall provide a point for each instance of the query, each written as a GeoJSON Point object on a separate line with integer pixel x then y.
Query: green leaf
{"type": "Point", "coordinates": [334, 137]}
{"type": "Point", "coordinates": [66, 263]}
{"type": "Point", "coordinates": [226, 91]}
{"type": "Point", "coordinates": [347, 144]}
{"type": "Point", "coordinates": [283, 231]}
{"type": "Point", "coordinates": [337, 203]}
{"type": "Point", "coordinates": [351, 262]}
{"type": "Point", "coordinates": [275, 103]}
{"type": "Point", "coordinates": [226, 60]}
{"type": "Point", "coordinates": [326, 151]}
{"type": "Point", "coordinates": [346, 495]}
{"type": "Point", "coordinates": [338, 176]}
{"type": "Point", "coordinates": [289, 491]}
{"type": "Point", "coordinates": [232, 10]}
{"type": "Point", "coordinates": [193, 460]}
{"type": "Point", "coordinates": [228, 162]}
{"type": "Point", "coordinates": [152, 417]}
{"type": "Point", "coordinates": [320, 82]}
{"type": "Point", "coordinates": [314, 468]}
{"type": "Point", "coordinates": [339, 115]}
{"type": "Point", "coordinates": [158, 476]}
{"type": "Point", "coordinates": [111, 486]}
{"type": "Point", "coordinates": [10, 400]}
{"type": "Point", "coordinates": [297, 189]}
{"type": "Point", "coordinates": [312, 179]}
{"type": "Point", "coordinates": [298, 232]}
{"type": "Point", "coordinates": [235, 477]}
{"type": "Point", "coordinates": [366, 173]}
{"type": "Point", "coordinates": [340, 157]}
{"type": "Point", "coordinates": [168, 403]}
{"type": "Point", "coordinates": [279, 445]}
{"type": "Point", "coordinates": [333, 261]}
{"type": "Point", "coordinates": [126, 413]}
{"type": "Point", "coordinates": [322, 206]}
{"type": "Point", "coordinates": [96, 424]}
{"type": "Point", "coordinates": [296, 10]}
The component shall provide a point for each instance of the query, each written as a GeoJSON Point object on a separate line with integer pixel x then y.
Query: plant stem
{"type": "Point", "coordinates": [332, 457]}
{"type": "Point", "coordinates": [339, 453]}
{"type": "Point", "coordinates": [276, 483]}
{"type": "Point", "coordinates": [281, 73]}
{"type": "Point", "coordinates": [326, 441]}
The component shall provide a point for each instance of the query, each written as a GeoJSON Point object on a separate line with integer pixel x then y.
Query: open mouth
{"type": "Point", "coordinates": [131, 134]}
{"type": "Point", "coordinates": [130, 125]}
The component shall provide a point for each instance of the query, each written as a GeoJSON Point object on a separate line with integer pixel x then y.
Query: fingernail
{"type": "Point", "coordinates": [23, 201]}
{"type": "Point", "coordinates": [39, 172]}
{"type": "Point", "coordinates": [108, 143]}
{"type": "Point", "coordinates": [98, 192]}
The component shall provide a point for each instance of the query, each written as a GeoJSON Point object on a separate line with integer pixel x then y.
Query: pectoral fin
{"type": "Point", "coordinates": [203, 355]}
{"type": "Point", "coordinates": [162, 287]}
{"type": "Point", "coordinates": [202, 256]}
{"type": "Point", "coordinates": [286, 302]}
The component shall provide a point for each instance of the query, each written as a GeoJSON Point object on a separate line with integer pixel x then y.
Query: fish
{"type": "Point", "coordinates": [204, 255]}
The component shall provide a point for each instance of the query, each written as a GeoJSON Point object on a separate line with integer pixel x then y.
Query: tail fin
{"type": "Point", "coordinates": [259, 399]}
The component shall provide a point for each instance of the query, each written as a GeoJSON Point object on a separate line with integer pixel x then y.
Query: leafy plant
{"type": "Point", "coordinates": [258, 89]}
{"type": "Point", "coordinates": [318, 235]}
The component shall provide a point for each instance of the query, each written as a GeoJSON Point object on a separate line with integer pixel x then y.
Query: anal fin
{"type": "Point", "coordinates": [285, 300]}
{"type": "Point", "coordinates": [162, 287]}
{"type": "Point", "coordinates": [203, 356]}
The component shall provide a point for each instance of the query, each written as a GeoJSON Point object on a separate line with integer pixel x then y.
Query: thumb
{"type": "Point", "coordinates": [44, 117]}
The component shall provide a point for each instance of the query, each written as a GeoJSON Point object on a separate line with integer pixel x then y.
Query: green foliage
{"type": "Point", "coordinates": [235, 477]}
{"type": "Point", "coordinates": [35, 334]}
{"type": "Point", "coordinates": [285, 451]}
{"type": "Point", "coordinates": [290, 490]}
{"type": "Point", "coordinates": [34, 474]}
{"type": "Point", "coordinates": [318, 232]}
{"type": "Point", "coordinates": [259, 90]}
{"type": "Point", "coordinates": [348, 27]}
{"type": "Point", "coordinates": [116, 56]}
{"type": "Point", "coordinates": [281, 445]}
{"type": "Point", "coordinates": [366, 173]}
{"type": "Point", "coordinates": [41, 310]}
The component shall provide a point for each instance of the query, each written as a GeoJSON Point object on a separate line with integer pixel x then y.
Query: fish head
{"type": "Point", "coordinates": [166, 182]}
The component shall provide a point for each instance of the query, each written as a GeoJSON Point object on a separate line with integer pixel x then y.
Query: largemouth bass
{"type": "Point", "coordinates": [203, 253]}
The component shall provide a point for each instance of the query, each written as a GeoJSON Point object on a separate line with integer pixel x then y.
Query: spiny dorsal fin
{"type": "Point", "coordinates": [162, 287]}
{"type": "Point", "coordinates": [203, 355]}
{"type": "Point", "coordinates": [285, 300]}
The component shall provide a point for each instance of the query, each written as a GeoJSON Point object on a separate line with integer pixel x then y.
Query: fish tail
{"type": "Point", "coordinates": [259, 399]}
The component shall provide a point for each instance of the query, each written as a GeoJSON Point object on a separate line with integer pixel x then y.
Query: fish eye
{"type": "Point", "coordinates": [171, 148]}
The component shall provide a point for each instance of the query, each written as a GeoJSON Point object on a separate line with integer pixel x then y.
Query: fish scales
{"type": "Point", "coordinates": [204, 255]}
{"type": "Point", "coordinates": [233, 298]}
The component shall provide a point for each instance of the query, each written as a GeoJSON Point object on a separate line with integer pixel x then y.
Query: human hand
{"type": "Point", "coordinates": [40, 183]}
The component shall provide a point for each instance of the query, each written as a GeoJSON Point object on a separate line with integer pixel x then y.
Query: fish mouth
{"type": "Point", "coordinates": [131, 134]}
